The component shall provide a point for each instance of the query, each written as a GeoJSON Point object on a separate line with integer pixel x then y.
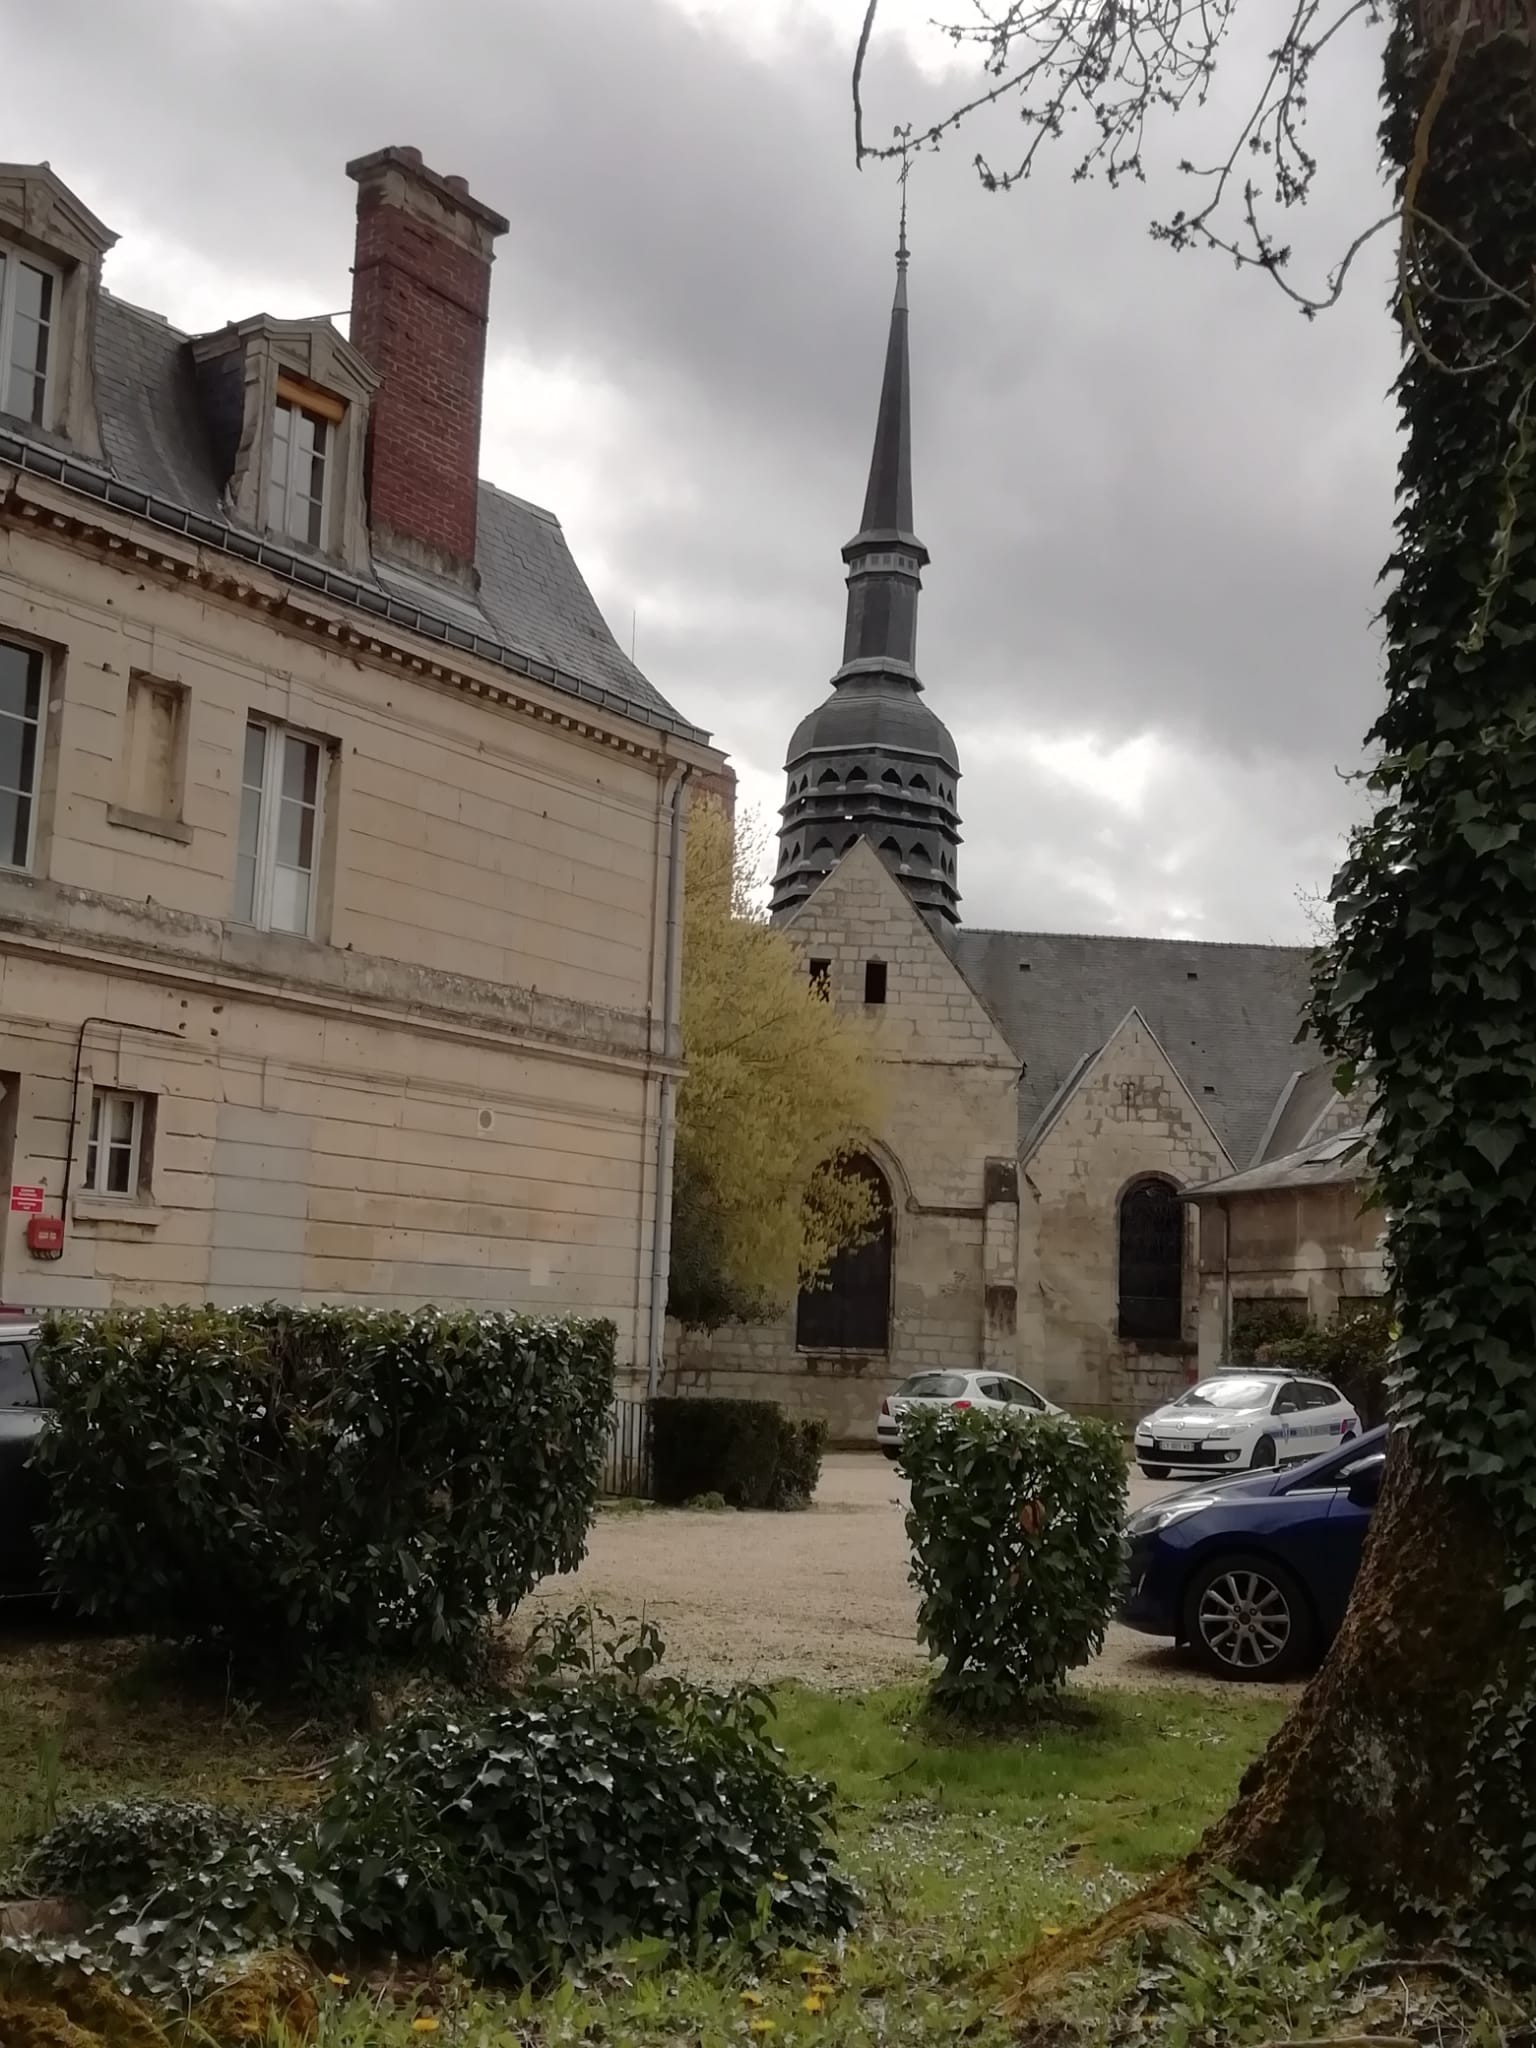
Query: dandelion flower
{"type": "Point", "coordinates": [762, 2027]}
{"type": "Point", "coordinates": [1050, 1930]}
{"type": "Point", "coordinates": [425, 2025]}
{"type": "Point", "coordinates": [751, 1998]}
{"type": "Point", "coordinates": [781, 1877]}
{"type": "Point", "coordinates": [340, 1981]}
{"type": "Point", "coordinates": [813, 2002]}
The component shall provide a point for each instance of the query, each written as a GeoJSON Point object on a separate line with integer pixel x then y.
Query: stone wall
{"type": "Point", "coordinates": [947, 1146]}
{"type": "Point", "coordinates": [1312, 1246]}
{"type": "Point", "coordinates": [1130, 1114]}
{"type": "Point", "coordinates": [448, 1091]}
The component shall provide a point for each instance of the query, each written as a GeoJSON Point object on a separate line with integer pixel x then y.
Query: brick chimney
{"type": "Point", "coordinates": [421, 287]}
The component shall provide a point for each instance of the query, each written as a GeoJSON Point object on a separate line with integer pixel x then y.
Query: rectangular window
{"type": "Point", "coordinates": [821, 978]}
{"type": "Point", "coordinates": [156, 719]}
{"type": "Point", "coordinates": [296, 474]}
{"type": "Point", "coordinates": [21, 749]}
{"type": "Point", "coordinates": [874, 981]}
{"type": "Point", "coordinates": [114, 1149]}
{"type": "Point", "coordinates": [279, 830]}
{"type": "Point", "coordinates": [28, 301]}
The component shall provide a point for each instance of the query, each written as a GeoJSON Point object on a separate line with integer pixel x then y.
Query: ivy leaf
{"type": "Point", "coordinates": [1495, 1141]}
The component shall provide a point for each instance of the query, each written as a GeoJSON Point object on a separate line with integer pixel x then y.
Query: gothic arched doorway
{"type": "Point", "coordinates": [851, 1309]}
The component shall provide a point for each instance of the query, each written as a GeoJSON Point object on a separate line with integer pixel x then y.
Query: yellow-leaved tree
{"type": "Point", "coordinates": [780, 1088]}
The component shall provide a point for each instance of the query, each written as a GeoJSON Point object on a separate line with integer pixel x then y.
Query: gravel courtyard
{"type": "Point", "coordinates": [821, 1596]}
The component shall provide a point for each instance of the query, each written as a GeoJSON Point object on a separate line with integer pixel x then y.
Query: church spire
{"type": "Point", "coordinates": [873, 762]}
{"type": "Point", "coordinates": [885, 558]}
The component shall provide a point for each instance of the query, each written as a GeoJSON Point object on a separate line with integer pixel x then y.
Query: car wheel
{"type": "Point", "coordinates": [1264, 1455]}
{"type": "Point", "coordinates": [1157, 1471]}
{"type": "Point", "coordinates": [1246, 1617]}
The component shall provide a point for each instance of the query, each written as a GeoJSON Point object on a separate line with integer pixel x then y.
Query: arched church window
{"type": "Point", "coordinates": [827, 775]}
{"type": "Point", "coordinates": [857, 775]}
{"type": "Point", "coordinates": [918, 782]}
{"type": "Point", "coordinates": [851, 1309]}
{"type": "Point", "coordinates": [821, 846]}
{"type": "Point", "coordinates": [1151, 1261]}
{"type": "Point", "coordinates": [920, 852]}
{"type": "Point", "coordinates": [850, 843]}
{"type": "Point", "coordinates": [890, 775]}
{"type": "Point", "coordinates": [890, 846]}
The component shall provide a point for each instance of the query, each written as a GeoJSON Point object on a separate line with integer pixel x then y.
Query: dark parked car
{"type": "Point", "coordinates": [1254, 1572]}
{"type": "Point", "coordinates": [21, 1491]}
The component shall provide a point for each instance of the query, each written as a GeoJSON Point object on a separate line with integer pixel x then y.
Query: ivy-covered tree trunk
{"type": "Point", "coordinates": [1410, 1763]}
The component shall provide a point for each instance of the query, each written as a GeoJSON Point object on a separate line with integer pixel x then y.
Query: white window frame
{"type": "Point", "coordinates": [291, 496]}
{"type": "Point", "coordinates": [98, 1153]}
{"type": "Point", "coordinates": [33, 651]}
{"type": "Point", "coordinates": [14, 255]}
{"type": "Point", "coordinates": [277, 736]}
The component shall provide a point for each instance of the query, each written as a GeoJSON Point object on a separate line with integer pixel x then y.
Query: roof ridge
{"type": "Point", "coordinates": [527, 504]}
{"type": "Point", "coordinates": [983, 931]}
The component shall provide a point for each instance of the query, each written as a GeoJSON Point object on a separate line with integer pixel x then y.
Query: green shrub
{"type": "Point", "coordinates": [1354, 1351]}
{"type": "Point", "coordinates": [1257, 1323]}
{"type": "Point", "coordinates": [312, 1489]}
{"type": "Point", "coordinates": [802, 1445]}
{"type": "Point", "coordinates": [750, 1452]}
{"type": "Point", "coordinates": [1016, 1550]}
{"type": "Point", "coordinates": [607, 1806]}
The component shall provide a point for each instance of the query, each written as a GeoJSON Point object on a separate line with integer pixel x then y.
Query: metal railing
{"type": "Point", "coordinates": [627, 1460]}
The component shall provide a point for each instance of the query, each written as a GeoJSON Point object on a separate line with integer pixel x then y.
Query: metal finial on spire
{"type": "Point", "coordinates": [905, 135]}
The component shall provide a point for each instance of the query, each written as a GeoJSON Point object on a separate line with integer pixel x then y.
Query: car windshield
{"type": "Point", "coordinates": [932, 1386]}
{"type": "Point", "coordinates": [1228, 1393]}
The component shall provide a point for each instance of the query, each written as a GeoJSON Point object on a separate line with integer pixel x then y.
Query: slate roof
{"type": "Point", "coordinates": [1300, 1111]}
{"type": "Point", "coordinates": [534, 611]}
{"type": "Point", "coordinates": [1227, 1016]}
{"type": "Point", "coordinates": [1335, 1162]}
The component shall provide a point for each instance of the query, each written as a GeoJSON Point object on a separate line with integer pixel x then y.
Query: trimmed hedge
{"type": "Point", "coordinates": [1016, 1550]}
{"type": "Point", "coordinates": [749, 1452]}
{"type": "Point", "coordinates": [301, 1487]}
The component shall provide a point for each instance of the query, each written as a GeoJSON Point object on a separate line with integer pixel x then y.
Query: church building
{"type": "Point", "coordinates": [1051, 1098]}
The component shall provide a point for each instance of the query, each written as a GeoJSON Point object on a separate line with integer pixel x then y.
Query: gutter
{"type": "Point", "coordinates": [666, 1120]}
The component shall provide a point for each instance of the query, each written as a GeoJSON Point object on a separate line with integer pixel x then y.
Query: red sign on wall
{"type": "Point", "coordinates": [29, 1201]}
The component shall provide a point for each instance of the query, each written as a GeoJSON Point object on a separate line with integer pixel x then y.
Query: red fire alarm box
{"type": "Point", "coordinates": [45, 1236]}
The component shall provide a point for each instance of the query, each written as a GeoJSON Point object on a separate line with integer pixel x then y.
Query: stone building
{"type": "Point", "coordinates": [1298, 1231]}
{"type": "Point", "coordinates": [338, 839]}
{"type": "Point", "coordinates": [1052, 1096]}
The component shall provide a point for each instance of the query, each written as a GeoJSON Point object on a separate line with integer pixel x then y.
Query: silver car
{"type": "Point", "coordinates": [998, 1391]}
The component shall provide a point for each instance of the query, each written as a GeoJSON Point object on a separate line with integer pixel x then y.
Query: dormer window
{"type": "Point", "coordinates": [302, 423]}
{"type": "Point", "coordinates": [28, 301]}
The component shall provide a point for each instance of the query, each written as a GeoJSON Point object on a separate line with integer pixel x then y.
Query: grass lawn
{"type": "Point", "coordinates": [965, 1850]}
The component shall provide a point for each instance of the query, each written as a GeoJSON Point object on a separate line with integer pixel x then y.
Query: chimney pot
{"type": "Point", "coordinates": [458, 184]}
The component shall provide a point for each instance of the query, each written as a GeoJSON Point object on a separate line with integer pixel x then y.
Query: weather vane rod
{"type": "Point", "coordinates": [904, 135]}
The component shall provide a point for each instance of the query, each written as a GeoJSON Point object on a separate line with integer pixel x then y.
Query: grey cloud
{"type": "Point", "coordinates": [1156, 500]}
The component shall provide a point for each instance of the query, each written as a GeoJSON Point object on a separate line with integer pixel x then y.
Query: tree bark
{"type": "Point", "coordinates": [1409, 1766]}
{"type": "Point", "coordinates": [1367, 1772]}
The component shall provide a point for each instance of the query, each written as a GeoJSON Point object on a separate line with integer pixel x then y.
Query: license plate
{"type": "Point", "coordinates": [1175, 1448]}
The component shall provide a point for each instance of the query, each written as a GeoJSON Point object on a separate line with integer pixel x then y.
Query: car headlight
{"type": "Point", "coordinates": [1143, 1429]}
{"type": "Point", "coordinates": [1218, 1436]}
{"type": "Point", "coordinates": [1148, 1521]}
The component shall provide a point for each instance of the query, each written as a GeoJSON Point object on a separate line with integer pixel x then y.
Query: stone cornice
{"type": "Point", "coordinates": [110, 935]}
{"type": "Point", "coordinates": [324, 607]}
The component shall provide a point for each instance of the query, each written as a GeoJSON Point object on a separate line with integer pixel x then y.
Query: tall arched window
{"type": "Point", "coordinates": [1151, 1261]}
{"type": "Point", "coordinates": [851, 1309]}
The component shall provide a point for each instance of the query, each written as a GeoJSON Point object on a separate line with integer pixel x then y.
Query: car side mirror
{"type": "Point", "coordinates": [1365, 1486]}
{"type": "Point", "coordinates": [1285, 1407]}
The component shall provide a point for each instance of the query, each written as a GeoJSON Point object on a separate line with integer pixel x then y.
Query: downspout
{"type": "Point", "coordinates": [1226, 1281]}
{"type": "Point", "coordinates": [666, 1119]}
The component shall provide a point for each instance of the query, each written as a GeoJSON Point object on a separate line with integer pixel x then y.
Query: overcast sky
{"type": "Point", "coordinates": [1155, 497]}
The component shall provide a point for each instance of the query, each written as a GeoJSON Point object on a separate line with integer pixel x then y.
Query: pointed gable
{"type": "Point", "coordinates": [1130, 1097]}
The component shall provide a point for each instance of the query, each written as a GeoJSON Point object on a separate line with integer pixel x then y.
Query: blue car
{"type": "Point", "coordinates": [1253, 1573]}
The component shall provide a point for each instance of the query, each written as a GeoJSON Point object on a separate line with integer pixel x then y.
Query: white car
{"type": "Point", "coordinates": [961, 1390]}
{"type": "Point", "coordinates": [1246, 1418]}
